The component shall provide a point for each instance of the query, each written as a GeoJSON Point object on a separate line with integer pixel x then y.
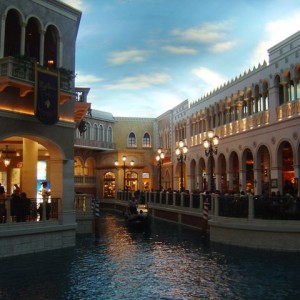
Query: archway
{"type": "Point", "coordinates": [286, 165]}
{"type": "Point", "coordinates": [263, 173]}
{"type": "Point", "coordinates": [234, 170]}
{"type": "Point", "coordinates": [222, 174]}
{"type": "Point", "coordinates": [109, 185]}
{"type": "Point", "coordinates": [248, 166]}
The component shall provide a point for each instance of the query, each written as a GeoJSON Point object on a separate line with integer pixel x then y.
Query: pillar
{"type": "Point", "coordinates": [2, 35]}
{"type": "Point", "coordinates": [29, 168]}
{"type": "Point", "coordinates": [62, 186]}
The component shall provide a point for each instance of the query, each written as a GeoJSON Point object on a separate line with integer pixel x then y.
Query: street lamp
{"type": "Point", "coordinates": [211, 147]}
{"type": "Point", "coordinates": [160, 160]}
{"type": "Point", "coordinates": [181, 151]}
{"type": "Point", "coordinates": [124, 167]}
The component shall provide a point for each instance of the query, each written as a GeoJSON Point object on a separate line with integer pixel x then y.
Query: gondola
{"type": "Point", "coordinates": [137, 219]}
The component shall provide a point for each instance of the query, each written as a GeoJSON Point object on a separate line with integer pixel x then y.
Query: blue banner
{"type": "Point", "coordinates": [46, 96]}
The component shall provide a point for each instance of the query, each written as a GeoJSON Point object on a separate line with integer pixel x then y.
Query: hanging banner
{"type": "Point", "coordinates": [46, 96]}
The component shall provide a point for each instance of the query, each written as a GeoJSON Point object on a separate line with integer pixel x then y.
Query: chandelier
{"type": "Point", "coordinates": [4, 154]}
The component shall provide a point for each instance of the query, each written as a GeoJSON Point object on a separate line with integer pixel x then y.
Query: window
{"type": "Point", "coordinates": [146, 140]}
{"type": "Point", "coordinates": [109, 134]}
{"type": "Point", "coordinates": [95, 132]}
{"type": "Point", "coordinates": [131, 140]}
{"type": "Point", "coordinates": [101, 138]}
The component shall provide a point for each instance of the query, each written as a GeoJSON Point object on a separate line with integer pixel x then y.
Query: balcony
{"type": "Point", "coordinates": [93, 144]}
{"type": "Point", "coordinates": [19, 72]}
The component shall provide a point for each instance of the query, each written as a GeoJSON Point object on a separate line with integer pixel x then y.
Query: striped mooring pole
{"type": "Point", "coordinates": [205, 215]}
{"type": "Point", "coordinates": [96, 212]}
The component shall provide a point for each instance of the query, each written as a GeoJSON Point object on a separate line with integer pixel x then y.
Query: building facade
{"type": "Point", "coordinates": [256, 118]}
{"type": "Point", "coordinates": [38, 113]}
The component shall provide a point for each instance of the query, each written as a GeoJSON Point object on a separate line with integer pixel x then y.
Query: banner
{"type": "Point", "coordinates": [46, 96]}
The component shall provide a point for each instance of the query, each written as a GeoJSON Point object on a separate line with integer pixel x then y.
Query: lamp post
{"type": "Point", "coordinates": [160, 160]}
{"type": "Point", "coordinates": [124, 167]}
{"type": "Point", "coordinates": [181, 151]}
{"type": "Point", "coordinates": [211, 147]}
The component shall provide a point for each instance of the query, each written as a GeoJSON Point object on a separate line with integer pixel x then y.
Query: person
{"type": "Point", "coordinates": [2, 191]}
{"type": "Point", "coordinates": [16, 206]}
{"type": "Point", "coordinates": [45, 195]}
{"type": "Point", "coordinates": [2, 204]}
{"type": "Point", "coordinates": [17, 189]}
{"type": "Point", "coordinates": [25, 204]}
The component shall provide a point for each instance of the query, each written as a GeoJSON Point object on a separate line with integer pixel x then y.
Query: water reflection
{"type": "Point", "coordinates": [166, 261]}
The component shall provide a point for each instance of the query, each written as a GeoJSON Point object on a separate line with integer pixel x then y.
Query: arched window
{"type": "Point", "coordinates": [89, 167]}
{"type": "Point", "coordinates": [87, 133]}
{"type": "Point", "coordinates": [12, 41]}
{"type": "Point", "coordinates": [95, 132]}
{"type": "Point", "coordinates": [146, 140]}
{"type": "Point", "coordinates": [78, 167]}
{"type": "Point", "coordinates": [32, 39]}
{"type": "Point", "coordinates": [131, 140]}
{"type": "Point", "coordinates": [109, 134]}
{"type": "Point", "coordinates": [51, 47]}
{"type": "Point", "coordinates": [101, 132]}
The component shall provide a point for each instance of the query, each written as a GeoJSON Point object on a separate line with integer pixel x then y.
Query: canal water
{"type": "Point", "coordinates": [163, 261]}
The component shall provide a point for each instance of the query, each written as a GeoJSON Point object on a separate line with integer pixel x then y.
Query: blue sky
{"type": "Point", "coordinates": [141, 58]}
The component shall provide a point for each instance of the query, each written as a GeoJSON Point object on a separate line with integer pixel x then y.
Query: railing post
{"type": "Point", "coordinates": [216, 205]}
{"type": "Point", "coordinates": [181, 199]}
{"type": "Point", "coordinates": [174, 198]}
{"type": "Point", "coordinates": [212, 206]}
{"type": "Point", "coordinates": [250, 207]}
{"type": "Point", "coordinates": [191, 200]}
{"type": "Point", "coordinates": [8, 218]}
{"type": "Point", "coordinates": [201, 202]}
{"type": "Point", "coordinates": [160, 196]}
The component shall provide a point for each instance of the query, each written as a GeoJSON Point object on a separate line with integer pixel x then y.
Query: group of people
{"type": "Point", "coordinates": [20, 206]}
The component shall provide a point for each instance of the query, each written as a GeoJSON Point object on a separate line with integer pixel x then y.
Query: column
{"type": "Point", "coordinates": [42, 43]}
{"type": "Point", "coordinates": [2, 36]}
{"type": "Point", "coordinates": [60, 53]}
{"type": "Point", "coordinates": [243, 180]}
{"type": "Point", "coordinates": [29, 169]}
{"type": "Point", "coordinates": [62, 186]}
{"type": "Point", "coordinates": [23, 33]}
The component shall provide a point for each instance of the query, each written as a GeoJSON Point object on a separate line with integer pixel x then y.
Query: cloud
{"type": "Point", "coordinates": [122, 57]}
{"type": "Point", "coordinates": [207, 33]}
{"type": "Point", "coordinates": [210, 78]}
{"type": "Point", "coordinates": [180, 50]}
{"type": "Point", "coordinates": [86, 80]}
{"type": "Point", "coordinates": [221, 47]}
{"type": "Point", "coordinates": [273, 33]}
{"type": "Point", "coordinates": [139, 82]}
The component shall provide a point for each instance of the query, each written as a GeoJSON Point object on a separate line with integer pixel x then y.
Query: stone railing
{"type": "Point", "coordinates": [288, 110]}
{"type": "Point", "coordinates": [250, 122]}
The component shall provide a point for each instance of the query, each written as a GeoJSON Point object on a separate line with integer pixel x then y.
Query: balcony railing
{"type": "Point", "coordinates": [87, 143]}
{"type": "Point", "coordinates": [288, 110]}
{"type": "Point", "coordinates": [23, 70]}
{"type": "Point", "coordinates": [32, 210]}
{"type": "Point", "coordinates": [85, 179]}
